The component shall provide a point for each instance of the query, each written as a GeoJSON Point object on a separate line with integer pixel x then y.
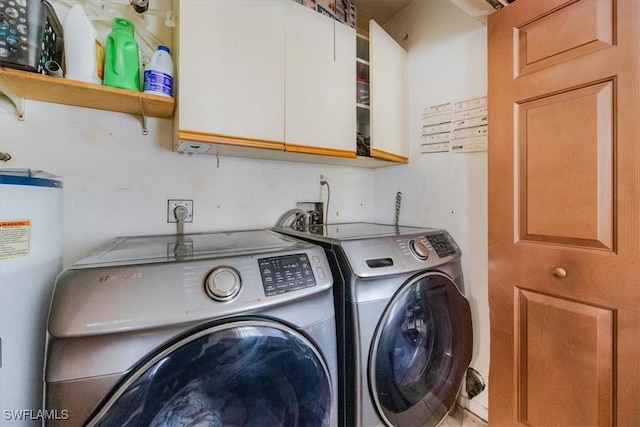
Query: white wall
{"type": "Point", "coordinates": [117, 181]}
{"type": "Point", "coordinates": [447, 62]}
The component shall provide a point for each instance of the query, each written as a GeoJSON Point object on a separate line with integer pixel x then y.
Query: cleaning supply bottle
{"type": "Point", "coordinates": [122, 59]}
{"type": "Point", "coordinates": [158, 74]}
{"type": "Point", "coordinates": [83, 53]}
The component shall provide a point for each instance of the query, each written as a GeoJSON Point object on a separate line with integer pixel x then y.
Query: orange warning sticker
{"type": "Point", "coordinates": [14, 238]}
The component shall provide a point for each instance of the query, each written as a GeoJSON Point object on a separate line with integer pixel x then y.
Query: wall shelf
{"type": "Point", "coordinates": [38, 87]}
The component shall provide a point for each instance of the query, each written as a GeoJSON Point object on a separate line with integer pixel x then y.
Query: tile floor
{"type": "Point", "coordinates": [461, 417]}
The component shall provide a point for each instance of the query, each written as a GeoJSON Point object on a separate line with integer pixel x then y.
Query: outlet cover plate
{"type": "Point", "coordinates": [173, 204]}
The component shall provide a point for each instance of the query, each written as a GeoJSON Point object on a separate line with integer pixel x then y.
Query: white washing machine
{"type": "Point", "coordinates": [404, 325]}
{"type": "Point", "coordinates": [213, 329]}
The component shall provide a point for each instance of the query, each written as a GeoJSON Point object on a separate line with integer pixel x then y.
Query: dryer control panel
{"type": "Point", "coordinates": [286, 273]}
{"type": "Point", "coordinates": [441, 244]}
{"type": "Point", "coordinates": [389, 255]}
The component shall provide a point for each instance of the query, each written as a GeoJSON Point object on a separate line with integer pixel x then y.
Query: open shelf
{"type": "Point", "coordinates": [38, 87]}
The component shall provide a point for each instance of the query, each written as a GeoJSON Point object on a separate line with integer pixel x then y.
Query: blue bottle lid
{"type": "Point", "coordinates": [165, 48]}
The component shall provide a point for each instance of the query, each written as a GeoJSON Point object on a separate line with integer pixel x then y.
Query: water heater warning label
{"type": "Point", "coordinates": [14, 238]}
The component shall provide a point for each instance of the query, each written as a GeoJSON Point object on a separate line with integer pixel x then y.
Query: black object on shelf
{"type": "Point", "coordinates": [140, 6]}
{"type": "Point", "coordinates": [30, 35]}
{"type": "Point", "coordinates": [363, 147]}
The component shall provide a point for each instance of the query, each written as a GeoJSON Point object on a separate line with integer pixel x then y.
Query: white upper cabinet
{"type": "Point", "coordinates": [320, 84]}
{"type": "Point", "coordinates": [388, 96]}
{"type": "Point", "coordinates": [231, 68]}
{"type": "Point", "coordinates": [277, 80]}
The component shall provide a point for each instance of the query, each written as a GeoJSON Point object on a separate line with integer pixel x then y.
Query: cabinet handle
{"type": "Point", "coordinates": [560, 272]}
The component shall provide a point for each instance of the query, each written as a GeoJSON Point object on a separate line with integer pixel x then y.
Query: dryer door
{"type": "Point", "coordinates": [243, 372]}
{"type": "Point", "coordinates": [420, 352]}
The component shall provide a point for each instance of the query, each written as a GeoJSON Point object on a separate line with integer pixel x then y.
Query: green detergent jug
{"type": "Point", "coordinates": [121, 59]}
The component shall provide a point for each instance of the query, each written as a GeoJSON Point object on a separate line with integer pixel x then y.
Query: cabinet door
{"type": "Point", "coordinates": [564, 203]}
{"type": "Point", "coordinates": [320, 84]}
{"type": "Point", "coordinates": [388, 97]}
{"type": "Point", "coordinates": [231, 68]}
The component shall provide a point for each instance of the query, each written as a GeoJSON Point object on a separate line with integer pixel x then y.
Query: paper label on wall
{"type": "Point", "coordinates": [14, 238]}
{"type": "Point", "coordinates": [457, 127]}
{"type": "Point", "coordinates": [468, 145]}
{"type": "Point", "coordinates": [436, 128]}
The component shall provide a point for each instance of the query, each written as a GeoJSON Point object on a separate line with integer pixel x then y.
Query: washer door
{"type": "Point", "coordinates": [420, 352]}
{"type": "Point", "coordinates": [244, 372]}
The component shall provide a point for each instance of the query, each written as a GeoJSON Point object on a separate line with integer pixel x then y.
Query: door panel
{"type": "Point", "coordinates": [389, 96]}
{"type": "Point", "coordinates": [549, 371]}
{"type": "Point", "coordinates": [566, 144]}
{"type": "Point", "coordinates": [321, 81]}
{"type": "Point", "coordinates": [231, 68]}
{"type": "Point", "coordinates": [564, 203]}
{"type": "Point", "coordinates": [573, 30]}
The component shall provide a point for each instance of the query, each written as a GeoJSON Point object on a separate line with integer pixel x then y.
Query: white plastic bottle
{"type": "Point", "coordinates": [83, 53]}
{"type": "Point", "coordinates": [158, 73]}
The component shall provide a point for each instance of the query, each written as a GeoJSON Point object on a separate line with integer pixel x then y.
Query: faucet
{"type": "Point", "coordinates": [301, 219]}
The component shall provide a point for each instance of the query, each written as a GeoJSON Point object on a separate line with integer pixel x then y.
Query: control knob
{"type": "Point", "coordinates": [419, 249]}
{"type": "Point", "coordinates": [222, 284]}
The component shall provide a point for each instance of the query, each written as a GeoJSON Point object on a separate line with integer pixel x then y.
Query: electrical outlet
{"type": "Point", "coordinates": [171, 208]}
{"type": "Point", "coordinates": [321, 178]}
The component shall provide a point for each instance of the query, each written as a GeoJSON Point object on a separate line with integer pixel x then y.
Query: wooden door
{"type": "Point", "coordinates": [564, 213]}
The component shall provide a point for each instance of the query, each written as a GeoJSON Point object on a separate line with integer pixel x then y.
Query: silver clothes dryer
{"type": "Point", "coordinates": [213, 329]}
{"type": "Point", "coordinates": [404, 326]}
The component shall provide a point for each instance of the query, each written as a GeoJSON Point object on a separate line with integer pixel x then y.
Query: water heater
{"type": "Point", "coordinates": [30, 260]}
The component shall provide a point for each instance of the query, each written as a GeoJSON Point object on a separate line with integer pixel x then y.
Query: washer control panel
{"type": "Point", "coordinates": [286, 273]}
{"type": "Point", "coordinates": [441, 244]}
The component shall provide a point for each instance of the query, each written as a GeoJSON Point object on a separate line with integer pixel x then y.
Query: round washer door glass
{"type": "Point", "coordinates": [242, 373]}
{"type": "Point", "coordinates": [420, 352]}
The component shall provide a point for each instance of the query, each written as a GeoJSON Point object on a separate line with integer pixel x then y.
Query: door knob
{"type": "Point", "coordinates": [560, 272]}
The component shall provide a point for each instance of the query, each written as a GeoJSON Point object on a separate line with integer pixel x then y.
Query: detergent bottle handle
{"type": "Point", "coordinates": [120, 63]}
